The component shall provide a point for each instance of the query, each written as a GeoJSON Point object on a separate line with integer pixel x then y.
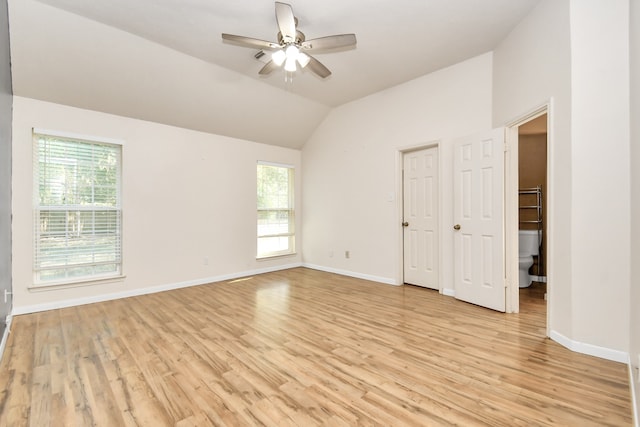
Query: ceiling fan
{"type": "Point", "coordinates": [291, 48]}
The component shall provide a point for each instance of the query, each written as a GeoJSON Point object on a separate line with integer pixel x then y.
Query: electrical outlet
{"type": "Point", "coordinates": [205, 260]}
{"type": "Point", "coordinates": [347, 254]}
{"type": "Point", "coordinates": [330, 254]}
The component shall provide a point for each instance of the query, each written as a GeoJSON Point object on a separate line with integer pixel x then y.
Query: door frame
{"type": "Point", "coordinates": [511, 207]}
{"type": "Point", "coordinates": [400, 152]}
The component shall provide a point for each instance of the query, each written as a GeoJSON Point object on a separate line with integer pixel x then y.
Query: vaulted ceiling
{"type": "Point", "coordinates": [165, 61]}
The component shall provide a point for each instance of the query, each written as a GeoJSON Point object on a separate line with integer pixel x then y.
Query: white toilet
{"type": "Point", "coordinates": [527, 248]}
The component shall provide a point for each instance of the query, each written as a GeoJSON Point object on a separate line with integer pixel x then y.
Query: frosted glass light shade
{"type": "Point", "coordinates": [291, 51]}
{"type": "Point", "coordinates": [290, 64]}
{"type": "Point", "coordinates": [278, 57]}
{"type": "Point", "coordinates": [303, 59]}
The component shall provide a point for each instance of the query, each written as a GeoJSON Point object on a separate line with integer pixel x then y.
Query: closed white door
{"type": "Point", "coordinates": [478, 219]}
{"type": "Point", "coordinates": [420, 192]}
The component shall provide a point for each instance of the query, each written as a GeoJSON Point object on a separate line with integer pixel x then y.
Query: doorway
{"type": "Point", "coordinates": [532, 213]}
{"type": "Point", "coordinates": [532, 184]}
{"type": "Point", "coordinates": [527, 190]}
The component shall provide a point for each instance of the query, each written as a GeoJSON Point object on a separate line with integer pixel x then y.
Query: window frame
{"type": "Point", "coordinates": [94, 209]}
{"type": "Point", "coordinates": [291, 233]}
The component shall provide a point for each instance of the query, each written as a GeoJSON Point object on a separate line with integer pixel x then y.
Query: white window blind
{"type": "Point", "coordinates": [276, 216]}
{"type": "Point", "coordinates": [78, 211]}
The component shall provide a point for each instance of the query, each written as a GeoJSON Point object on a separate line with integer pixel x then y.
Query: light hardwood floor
{"type": "Point", "coordinates": [301, 347]}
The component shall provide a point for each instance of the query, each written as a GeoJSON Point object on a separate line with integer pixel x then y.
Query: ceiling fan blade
{"type": "Point", "coordinates": [268, 68]}
{"type": "Point", "coordinates": [318, 68]}
{"type": "Point", "coordinates": [250, 42]}
{"type": "Point", "coordinates": [286, 22]}
{"type": "Point", "coordinates": [330, 42]}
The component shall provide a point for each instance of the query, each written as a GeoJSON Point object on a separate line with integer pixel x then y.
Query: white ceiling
{"type": "Point", "coordinates": [398, 40]}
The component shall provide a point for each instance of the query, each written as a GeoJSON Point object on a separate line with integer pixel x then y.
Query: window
{"type": "Point", "coordinates": [276, 234]}
{"type": "Point", "coordinates": [77, 209]}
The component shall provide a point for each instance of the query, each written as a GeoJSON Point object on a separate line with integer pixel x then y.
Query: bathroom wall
{"type": "Point", "coordinates": [532, 162]}
{"type": "Point", "coordinates": [532, 172]}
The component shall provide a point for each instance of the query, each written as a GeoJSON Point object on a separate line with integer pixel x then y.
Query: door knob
{"type": "Point", "coordinates": [456, 227]}
{"type": "Point", "coordinates": [405, 224]}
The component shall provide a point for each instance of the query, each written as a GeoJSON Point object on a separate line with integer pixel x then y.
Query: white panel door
{"type": "Point", "coordinates": [478, 219]}
{"type": "Point", "coordinates": [420, 193]}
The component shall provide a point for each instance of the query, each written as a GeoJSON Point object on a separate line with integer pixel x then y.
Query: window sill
{"type": "Point", "coordinates": [53, 286]}
{"type": "Point", "coordinates": [268, 257]}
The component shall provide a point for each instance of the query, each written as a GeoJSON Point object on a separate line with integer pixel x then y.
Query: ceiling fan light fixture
{"type": "Point", "coordinates": [278, 57]}
{"type": "Point", "coordinates": [287, 50]}
{"type": "Point", "coordinates": [292, 51]}
{"type": "Point", "coordinates": [290, 64]}
{"type": "Point", "coordinates": [303, 59]}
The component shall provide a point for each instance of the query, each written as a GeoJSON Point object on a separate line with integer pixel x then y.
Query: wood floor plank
{"type": "Point", "coordinates": [15, 401]}
{"type": "Point", "coordinates": [303, 348]}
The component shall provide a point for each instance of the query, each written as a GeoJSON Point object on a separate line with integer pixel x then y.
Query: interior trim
{"type": "Point", "coordinates": [5, 336]}
{"type": "Point", "coordinates": [379, 279]}
{"type": "Point", "coordinates": [590, 349]}
{"type": "Point", "coordinates": [632, 387]}
{"type": "Point", "coordinates": [27, 309]}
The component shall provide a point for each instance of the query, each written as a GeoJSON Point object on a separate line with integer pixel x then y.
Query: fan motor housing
{"type": "Point", "coordinates": [299, 38]}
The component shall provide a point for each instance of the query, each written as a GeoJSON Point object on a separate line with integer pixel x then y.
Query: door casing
{"type": "Point", "coordinates": [511, 208]}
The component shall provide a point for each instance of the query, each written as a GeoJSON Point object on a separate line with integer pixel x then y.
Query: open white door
{"type": "Point", "coordinates": [478, 168]}
{"type": "Point", "coordinates": [420, 206]}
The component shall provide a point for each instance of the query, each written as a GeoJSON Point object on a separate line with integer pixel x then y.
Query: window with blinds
{"type": "Point", "coordinates": [78, 211]}
{"type": "Point", "coordinates": [276, 225]}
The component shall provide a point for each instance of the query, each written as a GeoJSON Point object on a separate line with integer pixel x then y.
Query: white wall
{"type": "Point", "coordinates": [350, 169]}
{"type": "Point", "coordinates": [555, 54]}
{"type": "Point", "coordinates": [634, 347]}
{"type": "Point", "coordinates": [187, 195]}
{"type": "Point", "coordinates": [532, 67]}
{"type": "Point", "coordinates": [601, 174]}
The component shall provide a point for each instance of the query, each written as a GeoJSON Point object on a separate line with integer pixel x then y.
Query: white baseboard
{"type": "Point", "coordinates": [145, 291]}
{"type": "Point", "coordinates": [590, 349]}
{"type": "Point", "coordinates": [378, 279]}
{"type": "Point", "coordinates": [634, 402]}
{"type": "Point", "coordinates": [5, 336]}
